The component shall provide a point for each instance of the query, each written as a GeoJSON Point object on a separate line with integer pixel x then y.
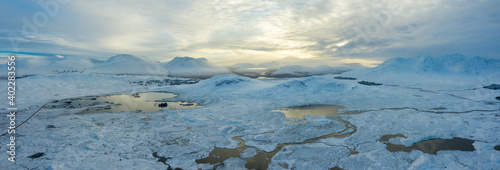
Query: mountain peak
{"type": "Point", "coordinates": [183, 58]}
{"type": "Point", "coordinates": [193, 67]}
{"type": "Point", "coordinates": [125, 57]}
{"type": "Point", "coordinates": [128, 64]}
{"type": "Point", "coordinates": [186, 58]}
{"type": "Point", "coordinates": [448, 64]}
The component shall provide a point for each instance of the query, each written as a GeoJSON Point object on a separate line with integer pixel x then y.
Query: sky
{"type": "Point", "coordinates": [252, 31]}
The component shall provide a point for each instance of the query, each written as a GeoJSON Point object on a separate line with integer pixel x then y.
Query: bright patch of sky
{"type": "Point", "coordinates": [241, 31]}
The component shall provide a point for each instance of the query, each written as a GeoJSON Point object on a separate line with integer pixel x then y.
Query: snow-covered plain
{"type": "Point", "coordinates": [235, 106]}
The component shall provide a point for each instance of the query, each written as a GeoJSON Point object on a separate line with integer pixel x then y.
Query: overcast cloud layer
{"type": "Point", "coordinates": [320, 31]}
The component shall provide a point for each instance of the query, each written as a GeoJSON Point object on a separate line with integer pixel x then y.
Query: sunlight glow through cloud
{"type": "Point", "coordinates": [258, 30]}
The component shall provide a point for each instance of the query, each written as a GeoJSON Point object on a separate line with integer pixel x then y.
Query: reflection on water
{"type": "Point", "coordinates": [262, 159]}
{"type": "Point", "coordinates": [299, 112]}
{"type": "Point", "coordinates": [141, 102]}
{"type": "Point", "coordinates": [219, 155]}
{"type": "Point", "coordinates": [431, 146]}
{"type": "Point", "coordinates": [161, 159]}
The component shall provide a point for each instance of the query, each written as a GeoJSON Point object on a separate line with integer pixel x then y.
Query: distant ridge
{"type": "Point", "coordinates": [128, 64]}
{"type": "Point", "coordinates": [439, 71]}
{"type": "Point", "coordinates": [189, 67]}
{"type": "Point", "coordinates": [48, 65]}
{"type": "Point", "coordinates": [449, 64]}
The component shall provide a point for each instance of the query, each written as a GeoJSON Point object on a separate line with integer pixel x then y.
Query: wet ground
{"type": "Point", "coordinates": [262, 159]}
{"type": "Point", "coordinates": [431, 146]}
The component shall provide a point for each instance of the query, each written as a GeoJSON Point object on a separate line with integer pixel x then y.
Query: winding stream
{"type": "Point", "coordinates": [262, 159]}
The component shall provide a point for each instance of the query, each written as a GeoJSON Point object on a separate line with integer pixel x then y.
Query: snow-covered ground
{"type": "Point", "coordinates": [235, 106]}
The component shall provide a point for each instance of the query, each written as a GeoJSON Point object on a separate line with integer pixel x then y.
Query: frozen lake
{"type": "Point", "coordinates": [141, 102]}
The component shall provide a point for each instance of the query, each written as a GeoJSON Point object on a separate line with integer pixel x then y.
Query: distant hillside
{"type": "Point", "coordinates": [449, 64]}
{"type": "Point", "coordinates": [128, 64]}
{"type": "Point", "coordinates": [48, 65]}
{"type": "Point", "coordinates": [193, 68]}
{"type": "Point", "coordinates": [426, 69]}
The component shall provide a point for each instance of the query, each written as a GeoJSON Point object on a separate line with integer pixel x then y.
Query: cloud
{"type": "Point", "coordinates": [257, 30]}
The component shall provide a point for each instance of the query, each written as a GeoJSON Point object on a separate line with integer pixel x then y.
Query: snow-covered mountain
{"type": "Point", "coordinates": [193, 68]}
{"type": "Point", "coordinates": [426, 69]}
{"type": "Point", "coordinates": [49, 65]}
{"type": "Point", "coordinates": [425, 64]}
{"type": "Point", "coordinates": [128, 64]}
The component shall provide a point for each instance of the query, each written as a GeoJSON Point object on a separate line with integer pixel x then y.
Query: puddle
{"type": "Point", "coordinates": [436, 110]}
{"type": "Point", "coordinates": [166, 82]}
{"type": "Point", "coordinates": [386, 138]}
{"type": "Point", "coordinates": [345, 78]}
{"type": "Point", "coordinates": [299, 112]}
{"type": "Point", "coordinates": [493, 87]}
{"type": "Point", "coordinates": [439, 108]}
{"type": "Point", "coordinates": [50, 126]}
{"type": "Point", "coordinates": [368, 83]}
{"type": "Point", "coordinates": [141, 102]}
{"type": "Point", "coordinates": [161, 159]}
{"type": "Point", "coordinates": [431, 146]}
{"type": "Point", "coordinates": [164, 161]}
{"type": "Point", "coordinates": [219, 155]}
{"type": "Point", "coordinates": [262, 159]}
{"type": "Point", "coordinates": [36, 155]}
